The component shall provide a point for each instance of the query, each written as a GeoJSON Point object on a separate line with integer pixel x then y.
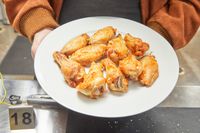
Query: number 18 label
{"type": "Point", "coordinates": [21, 118]}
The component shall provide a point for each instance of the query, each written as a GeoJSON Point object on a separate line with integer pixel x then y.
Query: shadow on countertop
{"type": "Point", "coordinates": [18, 60]}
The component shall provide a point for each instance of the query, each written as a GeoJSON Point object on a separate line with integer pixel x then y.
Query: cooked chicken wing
{"type": "Point", "coordinates": [88, 54]}
{"type": "Point", "coordinates": [131, 67]}
{"type": "Point", "coordinates": [75, 44]}
{"type": "Point", "coordinates": [94, 84]}
{"type": "Point", "coordinates": [103, 35]}
{"type": "Point", "coordinates": [73, 72]}
{"type": "Point", "coordinates": [115, 79]}
{"type": "Point", "coordinates": [150, 70]}
{"type": "Point", "coordinates": [136, 45]}
{"type": "Point", "coordinates": [117, 49]}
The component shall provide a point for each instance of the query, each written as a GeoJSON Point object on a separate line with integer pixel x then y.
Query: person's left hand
{"type": "Point", "coordinates": [38, 37]}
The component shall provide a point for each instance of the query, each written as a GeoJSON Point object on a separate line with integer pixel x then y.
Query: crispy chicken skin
{"type": "Point", "coordinates": [150, 70]}
{"type": "Point", "coordinates": [115, 79]}
{"type": "Point", "coordinates": [88, 54]}
{"type": "Point", "coordinates": [117, 49]}
{"type": "Point", "coordinates": [136, 45]}
{"type": "Point", "coordinates": [73, 72]}
{"type": "Point", "coordinates": [75, 44]}
{"type": "Point", "coordinates": [103, 35]}
{"type": "Point", "coordinates": [94, 84]}
{"type": "Point", "coordinates": [131, 67]}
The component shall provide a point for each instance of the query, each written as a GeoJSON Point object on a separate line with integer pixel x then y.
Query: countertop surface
{"type": "Point", "coordinates": [179, 113]}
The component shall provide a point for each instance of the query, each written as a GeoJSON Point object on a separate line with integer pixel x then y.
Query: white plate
{"type": "Point", "coordinates": [137, 100]}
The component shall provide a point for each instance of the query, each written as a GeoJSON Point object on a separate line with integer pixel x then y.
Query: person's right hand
{"type": "Point", "coordinates": [39, 36]}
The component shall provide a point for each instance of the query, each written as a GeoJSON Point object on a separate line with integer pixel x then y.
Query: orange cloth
{"type": "Point", "coordinates": [176, 20]}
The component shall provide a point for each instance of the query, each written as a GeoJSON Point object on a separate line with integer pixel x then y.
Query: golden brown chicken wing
{"type": "Point", "coordinates": [117, 49]}
{"type": "Point", "coordinates": [75, 44]}
{"type": "Point", "coordinates": [103, 35]}
{"type": "Point", "coordinates": [115, 79]}
{"type": "Point", "coordinates": [150, 70]}
{"type": "Point", "coordinates": [131, 67]}
{"type": "Point", "coordinates": [136, 45]}
{"type": "Point", "coordinates": [94, 84]}
{"type": "Point", "coordinates": [88, 54]}
{"type": "Point", "coordinates": [73, 72]}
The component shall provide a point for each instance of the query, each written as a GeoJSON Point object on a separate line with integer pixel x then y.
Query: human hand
{"type": "Point", "coordinates": [39, 36]}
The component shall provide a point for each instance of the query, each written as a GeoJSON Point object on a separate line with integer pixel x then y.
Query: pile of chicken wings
{"type": "Point", "coordinates": [122, 59]}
